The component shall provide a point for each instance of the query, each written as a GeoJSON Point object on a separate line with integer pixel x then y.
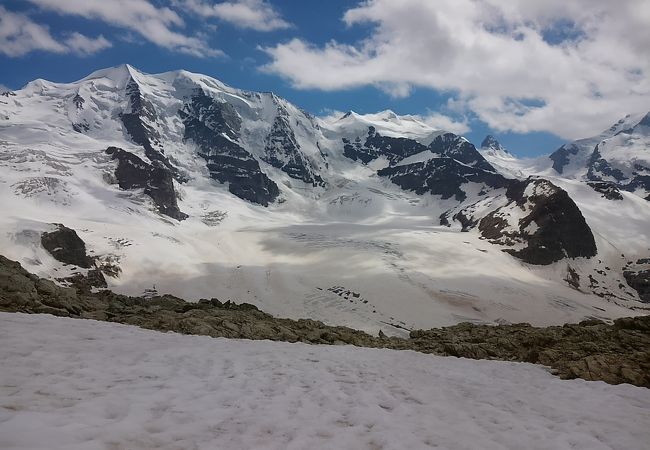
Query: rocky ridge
{"type": "Point", "coordinates": [592, 349]}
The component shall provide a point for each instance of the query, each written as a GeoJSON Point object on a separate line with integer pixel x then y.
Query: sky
{"type": "Point", "coordinates": [533, 73]}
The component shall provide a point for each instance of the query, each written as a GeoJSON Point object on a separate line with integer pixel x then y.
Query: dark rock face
{"type": "Point", "coordinates": [137, 121]}
{"type": "Point", "coordinates": [66, 246]}
{"type": "Point", "coordinates": [138, 124]}
{"type": "Point", "coordinates": [637, 276]}
{"type": "Point", "coordinates": [640, 282]}
{"type": "Point", "coordinates": [94, 278]}
{"type": "Point", "coordinates": [83, 126]}
{"type": "Point", "coordinates": [441, 176]}
{"type": "Point", "coordinates": [640, 182]}
{"type": "Point", "coordinates": [460, 149]}
{"type": "Point", "coordinates": [592, 349]}
{"type": "Point", "coordinates": [597, 167]}
{"type": "Point", "coordinates": [283, 151]}
{"type": "Point", "coordinates": [156, 180]}
{"type": "Point", "coordinates": [608, 190]}
{"type": "Point", "coordinates": [356, 151]}
{"type": "Point", "coordinates": [78, 101]}
{"type": "Point", "coordinates": [206, 121]}
{"type": "Point", "coordinates": [376, 145]}
{"type": "Point", "coordinates": [560, 230]}
{"type": "Point", "coordinates": [491, 143]}
{"type": "Point", "coordinates": [458, 163]}
{"type": "Point", "coordinates": [562, 156]}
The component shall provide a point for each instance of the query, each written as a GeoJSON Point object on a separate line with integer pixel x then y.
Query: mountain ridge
{"type": "Point", "coordinates": [223, 179]}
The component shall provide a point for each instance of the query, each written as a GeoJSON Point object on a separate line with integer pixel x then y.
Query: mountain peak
{"type": "Point", "coordinates": [490, 142]}
{"type": "Point", "coordinates": [493, 147]}
{"type": "Point", "coordinates": [120, 75]}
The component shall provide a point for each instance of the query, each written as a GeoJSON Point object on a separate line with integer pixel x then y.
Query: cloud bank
{"type": "Point", "coordinates": [569, 68]}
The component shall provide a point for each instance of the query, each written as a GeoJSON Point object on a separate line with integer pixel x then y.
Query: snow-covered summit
{"type": "Point", "coordinates": [385, 122]}
{"type": "Point", "coordinates": [620, 156]}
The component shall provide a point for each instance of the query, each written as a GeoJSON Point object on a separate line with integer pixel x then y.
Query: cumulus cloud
{"type": "Point", "coordinates": [570, 68]}
{"type": "Point", "coordinates": [257, 15]}
{"type": "Point", "coordinates": [20, 35]}
{"type": "Point", "coordinates": [158, 25]}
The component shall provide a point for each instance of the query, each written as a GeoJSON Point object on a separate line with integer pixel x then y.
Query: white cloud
{"type": "Point", "coordinates": [156, 24]}
{"type": "Point", "coordinates": [443, 122]}
{"type": "Point", "coordinates": [571, 68]}
{"type": "Point", "coordinates": [84, 45]}
{"type": "Point", "coordinates": [20, 35]}
{"type": "Point", "coordinates": [257, 15]}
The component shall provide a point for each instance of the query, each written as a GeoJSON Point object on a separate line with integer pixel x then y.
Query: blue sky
{"type": "Point", "coordinates": [533, 77]}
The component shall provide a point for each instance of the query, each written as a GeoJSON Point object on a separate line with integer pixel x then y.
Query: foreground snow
{"type": "Point", "coordinates": [75, 384]}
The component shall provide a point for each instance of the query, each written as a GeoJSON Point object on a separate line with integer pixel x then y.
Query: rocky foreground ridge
{"type": "Point", "coordinates": [592, 350]}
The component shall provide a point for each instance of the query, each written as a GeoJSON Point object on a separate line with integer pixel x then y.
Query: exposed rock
{"type": "Point", "coordinates": [637, 277]}
{"type": "Point", "coordinates": [491, 146]}
{"type": "Point", "coordinates": [593, 350]}
{"type": "Point", "coordinates": [94, 278]}
{"type": "Point", "coordinates": [394, 149]}
{"type": "Point", "coordinates": [455, 162]}
{"type": "Point", "coordinates": [283, 151]}
{"type": "Point", "coordinates": [460, 149]}
{"type": "Point", "coordinates": [139, 124]}
{"type": "Point", "coordinates": [609, 190]}
{"type": "Point", "coordinates": [599, 168]}
{"type": "Point", "coordinates": [552, 228]}
{"type": "Point", "coordinates": [441, 176]}
{"type": "Point", "coordinates": [562, 156]}
{"type": "Point", "coordinates": [572, 278]}
{"type": "Point", "coordinates": [156, 180]}
{"type": "Point", "coordinates": [66, 246]}
{"type": "Point", "coordinates": [213, 126]}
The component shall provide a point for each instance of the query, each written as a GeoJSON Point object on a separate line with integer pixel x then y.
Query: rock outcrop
{"type": "Point", "coordinates": [541, 218]}
{"type": "Point", "coordinates": [65, 245]}
{"type": "Point", "coordinates": [282, 151]}
{"type": "Point", "coordinates": [637, 276]}
{"type": "Point", "coordinates": [157, 180]}
{"type": "Point", "coordinates": [442, 176]}
{"type": "Point", "coordinates": [213, 126]}
{"type": "Point", "coordinates": [592, 350]}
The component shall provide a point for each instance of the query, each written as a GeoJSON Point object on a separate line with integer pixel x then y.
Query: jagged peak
{"type": "Point", "coordinates": [491, 142]}
{"type": "Point", "coordinates": [492, 147]}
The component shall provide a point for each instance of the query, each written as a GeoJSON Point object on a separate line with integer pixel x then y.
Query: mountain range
{"type": "Point", "coordinates": [177, 183]}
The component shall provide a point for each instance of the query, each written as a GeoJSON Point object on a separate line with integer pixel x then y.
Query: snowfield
{"type": "Point", "coordinates": [77, 384]}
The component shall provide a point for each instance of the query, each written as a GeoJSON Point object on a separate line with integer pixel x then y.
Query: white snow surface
{"type": "Point", "coordinates": [70, 384]}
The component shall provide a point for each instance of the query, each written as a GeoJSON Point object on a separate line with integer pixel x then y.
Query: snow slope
{"type": "Point", "coordinates": [76, 384]}
{"type": "Point", "coordinates": [356, 250]}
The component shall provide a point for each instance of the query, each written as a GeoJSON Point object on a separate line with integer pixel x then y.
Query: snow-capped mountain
{"type": "Point", "coordinates": [618, 158]}
{"type": "Point", "coordinates": [178, 183]}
